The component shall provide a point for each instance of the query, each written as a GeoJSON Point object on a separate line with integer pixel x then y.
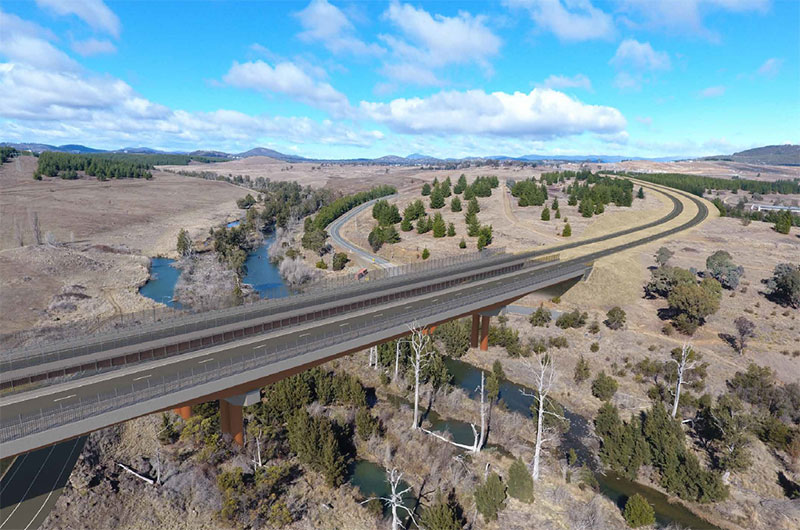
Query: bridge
{"type": "Point", "coordinates": [70, 389]}
{"type": "Point", "coordinates": [63, 391]}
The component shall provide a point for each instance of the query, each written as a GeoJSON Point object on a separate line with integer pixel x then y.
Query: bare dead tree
{"type": "Point", "coordinates": [479, 438]}
{"type": "Point", "coordinates": [395, 499]}
{"type": "Point", "coordinates": [35, 228]}
{"type": "Point", "coordinates": [544, 375]}
{"type": "Point", "coordinates": [420, 357]}
{"type": "Point", "coordinates": [685, 361]}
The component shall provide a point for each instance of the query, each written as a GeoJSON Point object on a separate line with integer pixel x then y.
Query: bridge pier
{"type": "Point", "coordinates": [485, 332]}
{"type": "Point", "coordinates": [476, 324]}
{"type": "Point", "coordinates": [184, 412]}
{"type": "Point", "coordinates": [230, 414]}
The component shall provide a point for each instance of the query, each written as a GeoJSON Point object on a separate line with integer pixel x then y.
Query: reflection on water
{"type": "Point", "coordinates": [161, 285]}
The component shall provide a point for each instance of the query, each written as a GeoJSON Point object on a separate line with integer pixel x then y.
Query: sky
{"type": "Point", "coordinates": [336, 79]}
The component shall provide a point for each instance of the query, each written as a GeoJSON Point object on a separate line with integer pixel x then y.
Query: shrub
{"type": "Point", "coordinates": [558, 342]}
{"type": "Point", "coordinates": [520, 482]}
{"type": "Point", "coordinates": [490, 497]}
{"type": "Point", "coordinates": [541, 317]}
{"type": "Point", "coordinates": [721, 267]}
{"type": "Point", "coordinates": [784, 286]}
{"type": "Point", "coordinates": [604, 386]}
{"type": "Point", "coordinates": [638, 512]}
{"type": "Point", "coordinates": [426, 253]}
{"type": "Point", "coordinates": [572, 319]}
{"type": "Point", "coordinates": [444, 514]}
{"type": "Point", "coordinates": [567, 231]}
{"type": "Point", "coordinates": [595, 347]}
{"type": "Point", "coordinates": [582, 371]}
{"type": "Point", "coordinates": [546, 214]}
{"type": "Point", "coordinates": [366, 424]}
{"type": "Point", "coordinates": [615, 318]}
{"type": "Point", "coordinates": [340, 259]}
{"type": "Point", "coordinates": [322, 265]}
{"type": "Point", "coordinates": [462, 243]}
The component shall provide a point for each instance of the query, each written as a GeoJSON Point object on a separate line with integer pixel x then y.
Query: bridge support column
{"type": "Point", "coordinates": [230, 414]}
{"type": "Point", "coordinates": [485, 332]}
{"type": "Point", "coordinates": [476, 324]}
{"type": "Point", "coordinates": [184, 412]}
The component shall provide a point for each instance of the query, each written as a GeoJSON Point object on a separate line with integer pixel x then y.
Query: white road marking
{"type": "Point", "coordinates": [33, 519]}
{"type": "Point", "coordinates": [303, 335]}
{"type": "Point", "coordinates": [205, 361]}
{"type": "Point", "coordinates": [29, 487]}
{"type": "Point", "coordinates": [378, 315]}
{"type": "Point", "coordinates": [343, 325]}
{"type": "Point", "coordinates": [143, 377]}
{"type": "Point", "coordinates": [261, 346]}
{"type": "Point", "coordinates": [63, 398]}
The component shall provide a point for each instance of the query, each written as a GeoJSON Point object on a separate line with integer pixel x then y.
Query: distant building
{"type": "Point", "coordinates": [772, 207]}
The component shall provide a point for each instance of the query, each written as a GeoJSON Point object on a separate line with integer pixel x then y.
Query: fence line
{"type": "Point", "coordinates": [14, 428]}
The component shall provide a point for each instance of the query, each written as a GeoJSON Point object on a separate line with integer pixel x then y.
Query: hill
{"type": "Point", "coordinates": [777, 155]}
{"type": "Point", "coordinates": [271, 153]}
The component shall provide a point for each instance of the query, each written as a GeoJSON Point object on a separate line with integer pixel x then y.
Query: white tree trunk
{"type": "Point", "coordinates": [537, 451]}
{"type": "Point", "coordinates": [416, 392]}
{"type": "Point", "coordinates": [684, 365]}
{"type": "Point", "coordinates": [419, 345]}
{"type": "Point", "coordinates": [483, 416]}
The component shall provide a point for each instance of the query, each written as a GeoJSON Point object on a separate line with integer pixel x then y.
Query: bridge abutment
{"type": "Point", "coordinates": [231, 418]}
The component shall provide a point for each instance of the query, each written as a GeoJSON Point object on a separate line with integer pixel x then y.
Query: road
{"type": "Point", "coordinates": [336, 225]}
{"type": "Point", "coordinates": [46, 470]}
{"type": "Point", "coordinates": [32, 485]}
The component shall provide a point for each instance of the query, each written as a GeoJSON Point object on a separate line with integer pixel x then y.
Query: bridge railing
{"type": "Point", "coordinates": [12, 427]}
{"type": "Point", "coordinates": [190, 322]}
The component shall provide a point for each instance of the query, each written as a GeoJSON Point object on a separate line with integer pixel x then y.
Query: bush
{"type": "Point", "coordinates": [721, 267]}
{"type": "Point", "coordinates": [520, 482]}
{"type": "Point", "coordinates": [567, 231]}
{"type": "Point", "coordinates": [638, 512]}
{"type": "Point", "coordinates": [366, 424]}
{"type": "Point", "coordinates": [546, 214]}
{"type": "Point", "coordinates": [455, 204]}
{"type": "Point", "coordinates": [595, 347]}
{"type": "Point", "coordinates": [582, 371]}
{"type": "Point", "coordinates": [340, 259]}
{"type": "Point", "coordinates": [444, 514]}
{"type": "Point", "coordinates": [322, 265]}
{"type": "Point", "coordinates": [604, 386]}
{"type": "Point", "coordinates": [540, 318]}
{"type": "Point", "coordinates": [573, 319]}
{"type": "Point", "coordinates": [558, 342]}
{"type": "Point", "coordinates": [784, 286]}
{"type": "Point", "coordinates": [426, 253]}
{"type": "Point", "coordinates": [615, 318]}
{"type": "Point", "coordinates": [490, 497]}
{"type": "Point", "coordinates": [462, 243]}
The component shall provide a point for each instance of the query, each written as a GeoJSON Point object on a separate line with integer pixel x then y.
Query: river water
{"type": "Point", "coordinates": [261, 274]}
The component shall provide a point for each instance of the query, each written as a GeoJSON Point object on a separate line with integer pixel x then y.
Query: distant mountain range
{"type": "Point", "coordinates": [776, 155]}
{"type": "Point", "coordinates": [772, 154]}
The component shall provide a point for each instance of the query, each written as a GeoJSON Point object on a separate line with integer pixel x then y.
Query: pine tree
{"type": "Point", "coordinates": [426, 189]}
{"type": "Point", "coordinates": [490, 497]}
{"type": "Point", "coordinates": [406, 225]}
{"type": "Point", "coordinates": [640, 195]}
{"type": "Point", "coordinates": [520, 482]}
{"type": "Point", "coordinates": [638, 512]}
{"type": "Point", "coordinates": [437, 198]}
{"type": "Point", "coordinates": [439, 226]}
{"type": "Point", "coordinates": [582, 371]}
{"type": "Point", "coordinates": [567, 231]}
{"type": "Point", "coordinates": [546, 214]}
{"type": "Point", "coordinates": [455, 204]}
{"type": "Point", "coordinates": [451, 230]}
{"type": "Point", "coordinates": [444, 514]}
{"type": "Point", "coordinates": [784, 222]}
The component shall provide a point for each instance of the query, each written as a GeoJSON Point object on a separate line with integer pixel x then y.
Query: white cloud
{"type": "Point", "coordinates": [435, 41]}
{"type": "Point", "coordinates": [93, 47]}
{"type": "Point", "coordinates": [93, 12]}
{"type": "Point", "coordinates": [573, 20]}
{"type": "Point", "coordinates": [639, 56]}
{"type": "Point", "coordinates": [543, 113]}
{"type": "Point", "coordinates": [562, 81]}
{"type": "Point", "coordinates": [25, 42]}
{"type": "Point", "coordinates": [288, 79]}
{"type": "Point", "coordinates": [326, 23]}
{"type": "Point", "coordinates": [770, 68]}
{"type": "Point", "coordinates": [627, 82]}
{"type": "Point", "coordinates": [712, 92]}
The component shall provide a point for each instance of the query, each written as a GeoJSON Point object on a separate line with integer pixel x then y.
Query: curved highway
{"type": "Point", "coordinates": [336, 225]}
{"type": "Point", "coordinates": [30, 487]}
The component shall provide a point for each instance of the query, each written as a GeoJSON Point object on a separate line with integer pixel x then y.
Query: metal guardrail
{"type": "Point", "coordinates": [315, 294]}
{"type": "Point", "coordinates": [14, 428]}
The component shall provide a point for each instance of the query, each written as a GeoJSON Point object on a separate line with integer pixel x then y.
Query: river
{"type": "Point", "coordinates": [261, 274]}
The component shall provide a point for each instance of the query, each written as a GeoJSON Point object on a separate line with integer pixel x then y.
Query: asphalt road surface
{"type": "Point", "coordinates": [31, 487]}
{"type": "Point", "coordinates": [335, 226]}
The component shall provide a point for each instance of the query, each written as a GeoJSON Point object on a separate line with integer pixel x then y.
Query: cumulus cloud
{"type": "Point", "coordinates": [28, 43]}
{"type": "Point", "coordinates": [770, 68]}
{"type": "Point", "coordinates": [542, 113]}
{"type": "Point", "coordinates": [326, 23]}
{"type": "Point", "coordinates": [434, 41]}
{"type": "Point", "coordinates": [639, 56]}
{"type": "Point", "coordinates": [93, 12]}
{"type": "Point", "coordinates": [288, 79]}
{"type": "Point", "coordinates": [712, 92]}
{"type": "Point", "coordinates": [572, 20]}
{"type": "Point", "coordinates": [90, 47]}
{"type": "Point", "coordinates": [562, 81]}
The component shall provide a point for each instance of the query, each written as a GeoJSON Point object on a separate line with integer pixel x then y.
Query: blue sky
{"type": "Point", "coordinates": [364, 79]}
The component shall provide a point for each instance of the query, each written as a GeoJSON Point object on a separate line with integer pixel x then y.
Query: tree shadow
{"type": "Point", "coordinates": [667, 313]}
{"type": "Point", "coordinates": [790, 488]}
{"type": "Point", "coordinates": [730, 340]}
